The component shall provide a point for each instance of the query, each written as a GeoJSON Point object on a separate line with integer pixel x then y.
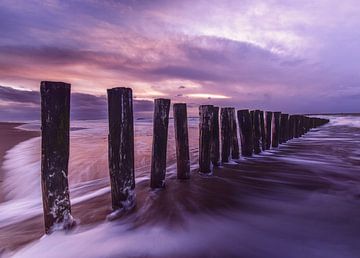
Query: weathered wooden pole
{"type": "Point", "coordinates": [291, 127]}
{"type": "Point", "coordinates": [308, 124]}
{"type": "Point", "coordinates": [276, 130]}
{"type": "Point", "coordinates": [55, 125]}
{"type": "Point", "coordinates": [121, 148]}
{"type": "Point", "coordinates": [226, 134]}
{"type": "Point", "coordinates": [301, 128]}
{"type": "Point", "coordinates": [257, 131]}
{"type": "Point", "coordinates": [246, 132]}
{"type": "Point", "coordinates": [284, 119]}
{"type": "Point", "coordinates": [268, 115]}
{"type": "Point", "coordinates": [160, 135]}
{"type": "Point", "coordinates": [303, 124]}
{"type": "Point", "coordinates": [215, 147]}
{"type": "Point", "coordinates": [182, 141]}
{"type": "Point", "coordinates": [297, 126]}
{"type": "Point", "coordinates": [205, 126]}
{"type": "Point", "coordinates": [263, 131]}
{"type": "Point", "coordinates": [235, 150]}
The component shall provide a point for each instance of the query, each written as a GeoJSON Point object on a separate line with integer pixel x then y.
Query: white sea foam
{"type": "Point", "coordinates": [234, 234]}
{"type": "Point", "coordinates": [316, 225]}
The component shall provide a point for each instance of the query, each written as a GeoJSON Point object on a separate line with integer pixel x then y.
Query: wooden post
{"type": "Point", "coordinates": [182, 141]}
{"type": "Point", "coordinates": [159, 147]}
{"type": "Point", "coordinates": [55, 125]}
{"type": "Point", "coordinates": [263, 131]}
{"type": "Point", "coordinates": [308, 123]}
{"type": "Point", "coordinates": [205, 140]}
{"type": "Point", "coordinates": [121, 148]}
{"type": "Point", "coordinates": [302, 128]}
{"type": "Point", "coordinates": [291, 127]}
{"type": "Point", "coordinates": [297, 126]}
{"type": "Point", "coordinates": [225, 134]}
{"type": "Point", "coordinates": [268, 129]}
{"type": "Point", "coordinates": [257, 131]}
{"type": "Point", "coordinates": [276, 130]}
{"type": "Point", "coordinates": [283, 127]}
{"type": "Point", "coordinates": [215, 147]}
{"type": "Point", "coordinates": [235, 150]}
{"type": "Point", "coordinates": [246, 132]}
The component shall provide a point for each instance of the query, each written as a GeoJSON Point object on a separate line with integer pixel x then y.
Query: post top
{"type": "Point", "coordinates": [56, 85]}
{"type": "Point", "coordinates": [161, 100]}
{"type": "Point", "coordinates": [179, 104]}
{"type": "Point", "coordinates": [119, 89]}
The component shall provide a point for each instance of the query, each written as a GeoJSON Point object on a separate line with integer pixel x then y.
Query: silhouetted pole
{"type": "Point", "coordinates": [257, 131]}
{"type": "Point", "coordinates": [307, 124]}
{"type": "Point", "coordinates": [268, 116]}
{"type": "Point", "coordinates": [205, 126]}
{"type": "Point", "coordinates": [235, 150]}
{"type": "Point", "coordinates": [182, 141]}
{"type": "Point", "coordinates": [313, 122]}
{"type": "Point", "coordinates": [215, 148]}
{"type": "Point", "coordinates": [291, 127]}
{"type": "Point", "coordinates": [302, 130]}
{"type": "Point", "coordinates": [121, 148]}
{"type": "Point", "coordinates": [226, 134]}
{"type": "Point", "coordinates": [263, 131]}
{"type": "Point", "coordinates": [297, 126]}
{"type": "Point", "coordinates": [55, 125]}
{"type": "Point", "coordinates": [283, 127]}
{"type": "Point", "coordinates": [246, 132]}
{"type": "Point", "coordinates": [287, 126]}
{"type": "Point", "coordinates": [160, 135]}
{"type": "Point", "coordinates": [276, 130]}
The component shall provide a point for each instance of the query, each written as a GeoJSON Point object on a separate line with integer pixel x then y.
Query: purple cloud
{"type": "Point", "coordinates": [274, 55]}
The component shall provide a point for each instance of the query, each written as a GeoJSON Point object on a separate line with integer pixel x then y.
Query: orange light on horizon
{"type": "Point", "coordinates": [207, 96]}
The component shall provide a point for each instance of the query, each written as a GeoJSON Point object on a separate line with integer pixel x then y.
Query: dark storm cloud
{"type": "Point", "coordinates": [25, 105]}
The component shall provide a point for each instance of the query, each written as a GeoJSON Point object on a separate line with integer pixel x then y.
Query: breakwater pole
{"type": "Point", "coordinates": [182, 141]}
{"type": "Point", "coordinates": [121, 148]}
{"type": "Point", "coordinates": [268, 123]}
{"type": "Point", "coordinates": [297, 126]}
{"type": "Point", "coordinates": [246, 132]}
{"type": "Point", "coordinates": [215, 147]}
{"type": "Point", "coordinates": [276, 130]}
{"type": "Point", "coordinates": [226, 134]}
{"type": "Point", "coordinates": [235, 150]}
{"type": "Point", "coordinates": [55, 127]}
{"type": "Point", "coordinates": [287, 128]}
{"type": "Point", "coordinates": [257, 131]}
{"type": "Point", "coordinates": [263, 131]}
{"type": "Point", "coordinates": [159, 145]}
{"type": "Point", "coordinates": [291, 130]}
{"type": "Point", "coordinates": [284, 120]}
{"type": "Point", "coordinates": [302, 125]}
{"type": "Point", "coordinates": [205, 138]}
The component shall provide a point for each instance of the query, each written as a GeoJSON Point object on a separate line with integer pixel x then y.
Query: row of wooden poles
{"type": "Point", "coordinates": [258, 131]}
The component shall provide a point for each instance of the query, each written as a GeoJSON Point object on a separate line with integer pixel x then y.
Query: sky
{"type": "Point", "coordinates": [291, 56]}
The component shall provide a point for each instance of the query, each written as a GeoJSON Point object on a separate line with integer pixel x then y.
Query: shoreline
{"type": "Point", "coordinates": [11, 136]}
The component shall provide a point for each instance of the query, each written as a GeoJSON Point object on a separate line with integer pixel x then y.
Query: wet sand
{"type": "Point", "coordinates": [9, 137]}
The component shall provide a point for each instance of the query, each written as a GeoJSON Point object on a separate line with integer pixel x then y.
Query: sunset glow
{"type": "Point", "coordinates": [298, 57]}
